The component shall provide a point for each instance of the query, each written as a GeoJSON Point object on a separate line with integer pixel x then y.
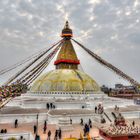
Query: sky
{"type": "Point", "coordinates": [110, 28]}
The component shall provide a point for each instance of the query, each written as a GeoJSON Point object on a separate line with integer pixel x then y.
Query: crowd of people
{"type": "Point", "coordinates": [87, 126]}
{"type": "Point", "coordinates": [120, 127]}
{"type": "Point", "coordinates": [50, 106]}
{"type": "Point", "coordinates": [116, 108]}
{"type": "Point", "coordinates": [12, 90]}
{"type": "Point", "coordinates": [58, 132]}
{"type": "Point", "coordinates": [57, 135]}
{"type": "Point", "coordinates": [123, 130]}
{"type": "Point", "coordinates": [3, 131]}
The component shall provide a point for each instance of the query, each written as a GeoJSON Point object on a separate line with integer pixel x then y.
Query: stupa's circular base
{"type": "Point", "coordinates": [65, 80]}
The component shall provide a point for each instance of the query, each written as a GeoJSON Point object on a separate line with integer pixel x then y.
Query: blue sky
{"type": "Point", "coordinates": [110, 28]}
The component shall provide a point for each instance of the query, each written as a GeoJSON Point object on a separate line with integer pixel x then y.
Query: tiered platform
{"type": "Point", "coordinates": [76, 106]}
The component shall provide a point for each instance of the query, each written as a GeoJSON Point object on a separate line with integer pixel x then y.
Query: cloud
{"type": "Point", "coordinates": [108, 27]}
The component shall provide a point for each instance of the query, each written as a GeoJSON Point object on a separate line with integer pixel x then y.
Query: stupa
{"type": "Point", "coordinates": [66, 77]}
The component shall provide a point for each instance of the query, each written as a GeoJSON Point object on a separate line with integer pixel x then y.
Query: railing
{"type": "Point", "coordinates": [65, 92]}
{"type": "Point", "coordinates": [113, 114]}
{"type": "Point", "coordinates": [107, 117]}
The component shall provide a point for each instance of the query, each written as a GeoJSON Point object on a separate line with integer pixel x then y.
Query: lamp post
{"type": "Point", "coordinates": [37, 136]}
{"type": "Point", "coordinates": [37, 124]}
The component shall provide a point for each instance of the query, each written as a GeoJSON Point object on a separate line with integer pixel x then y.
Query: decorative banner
{"type": "Point", "coordinates": [66, 61]}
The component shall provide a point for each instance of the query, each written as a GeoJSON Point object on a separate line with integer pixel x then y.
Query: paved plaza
{"type": "Point", "coordinates": [28, 127]}
{"type": "Point", "coordinates": [25, 108]}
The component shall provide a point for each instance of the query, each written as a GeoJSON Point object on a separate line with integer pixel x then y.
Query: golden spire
{"type": "Point", "coordinates": [67, 25]}
{"type": "Point", "coordinates": [67, 58]}
{"type": "Point", "coordinates": [66, 32]}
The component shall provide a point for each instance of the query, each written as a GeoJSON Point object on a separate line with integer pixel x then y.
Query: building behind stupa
{"type": "Point", "coordinates": [66, 77]}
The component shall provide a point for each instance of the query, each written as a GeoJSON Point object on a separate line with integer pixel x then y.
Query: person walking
{"type": "Point", "coordinates": [60, 134]}
{"type": "Point", "coordinates": [70, 121]}
{"type": "Point", "coordinates": [81, 121]}
{"type": "Point", "coordinates": [16, 123]}
{"type": "Point", "coordinates": [49, 135]}
{"type": "Point", "coordinates": [133, 123]}
{"type": "Point", "coordinates": [90, 123]}
{"type": "Point", "coordinates": [21, 138]}
{"type": "Point", "coordinates": [44, 129]}
{"type": "Point", "coordinates": [51, 105]}
{"type": "Point", "coordinates": [56, 135]}
{"type": "Point", "coordinates": [37, 137]}
{"type": "Point", "coordinates": [35, 129]}
{"type": "Point", "coordinates": [86, 129]}
{"type": "Point", "coordinates": [2, 131]}
{"type": "Point", "coordinates": [95, 109]}
{"type": "Point", "coordinates": [45, 124]}
{"type": "Point", "coordinates": [47, 106]}
{"type": "Point", "coordinates": [5, 130]}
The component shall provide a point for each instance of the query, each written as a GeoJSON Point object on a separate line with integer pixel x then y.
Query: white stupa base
{"type": "Point", "coordinates": [66, 127]}
{"type": "Point", "coordinates": [64, 123]}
